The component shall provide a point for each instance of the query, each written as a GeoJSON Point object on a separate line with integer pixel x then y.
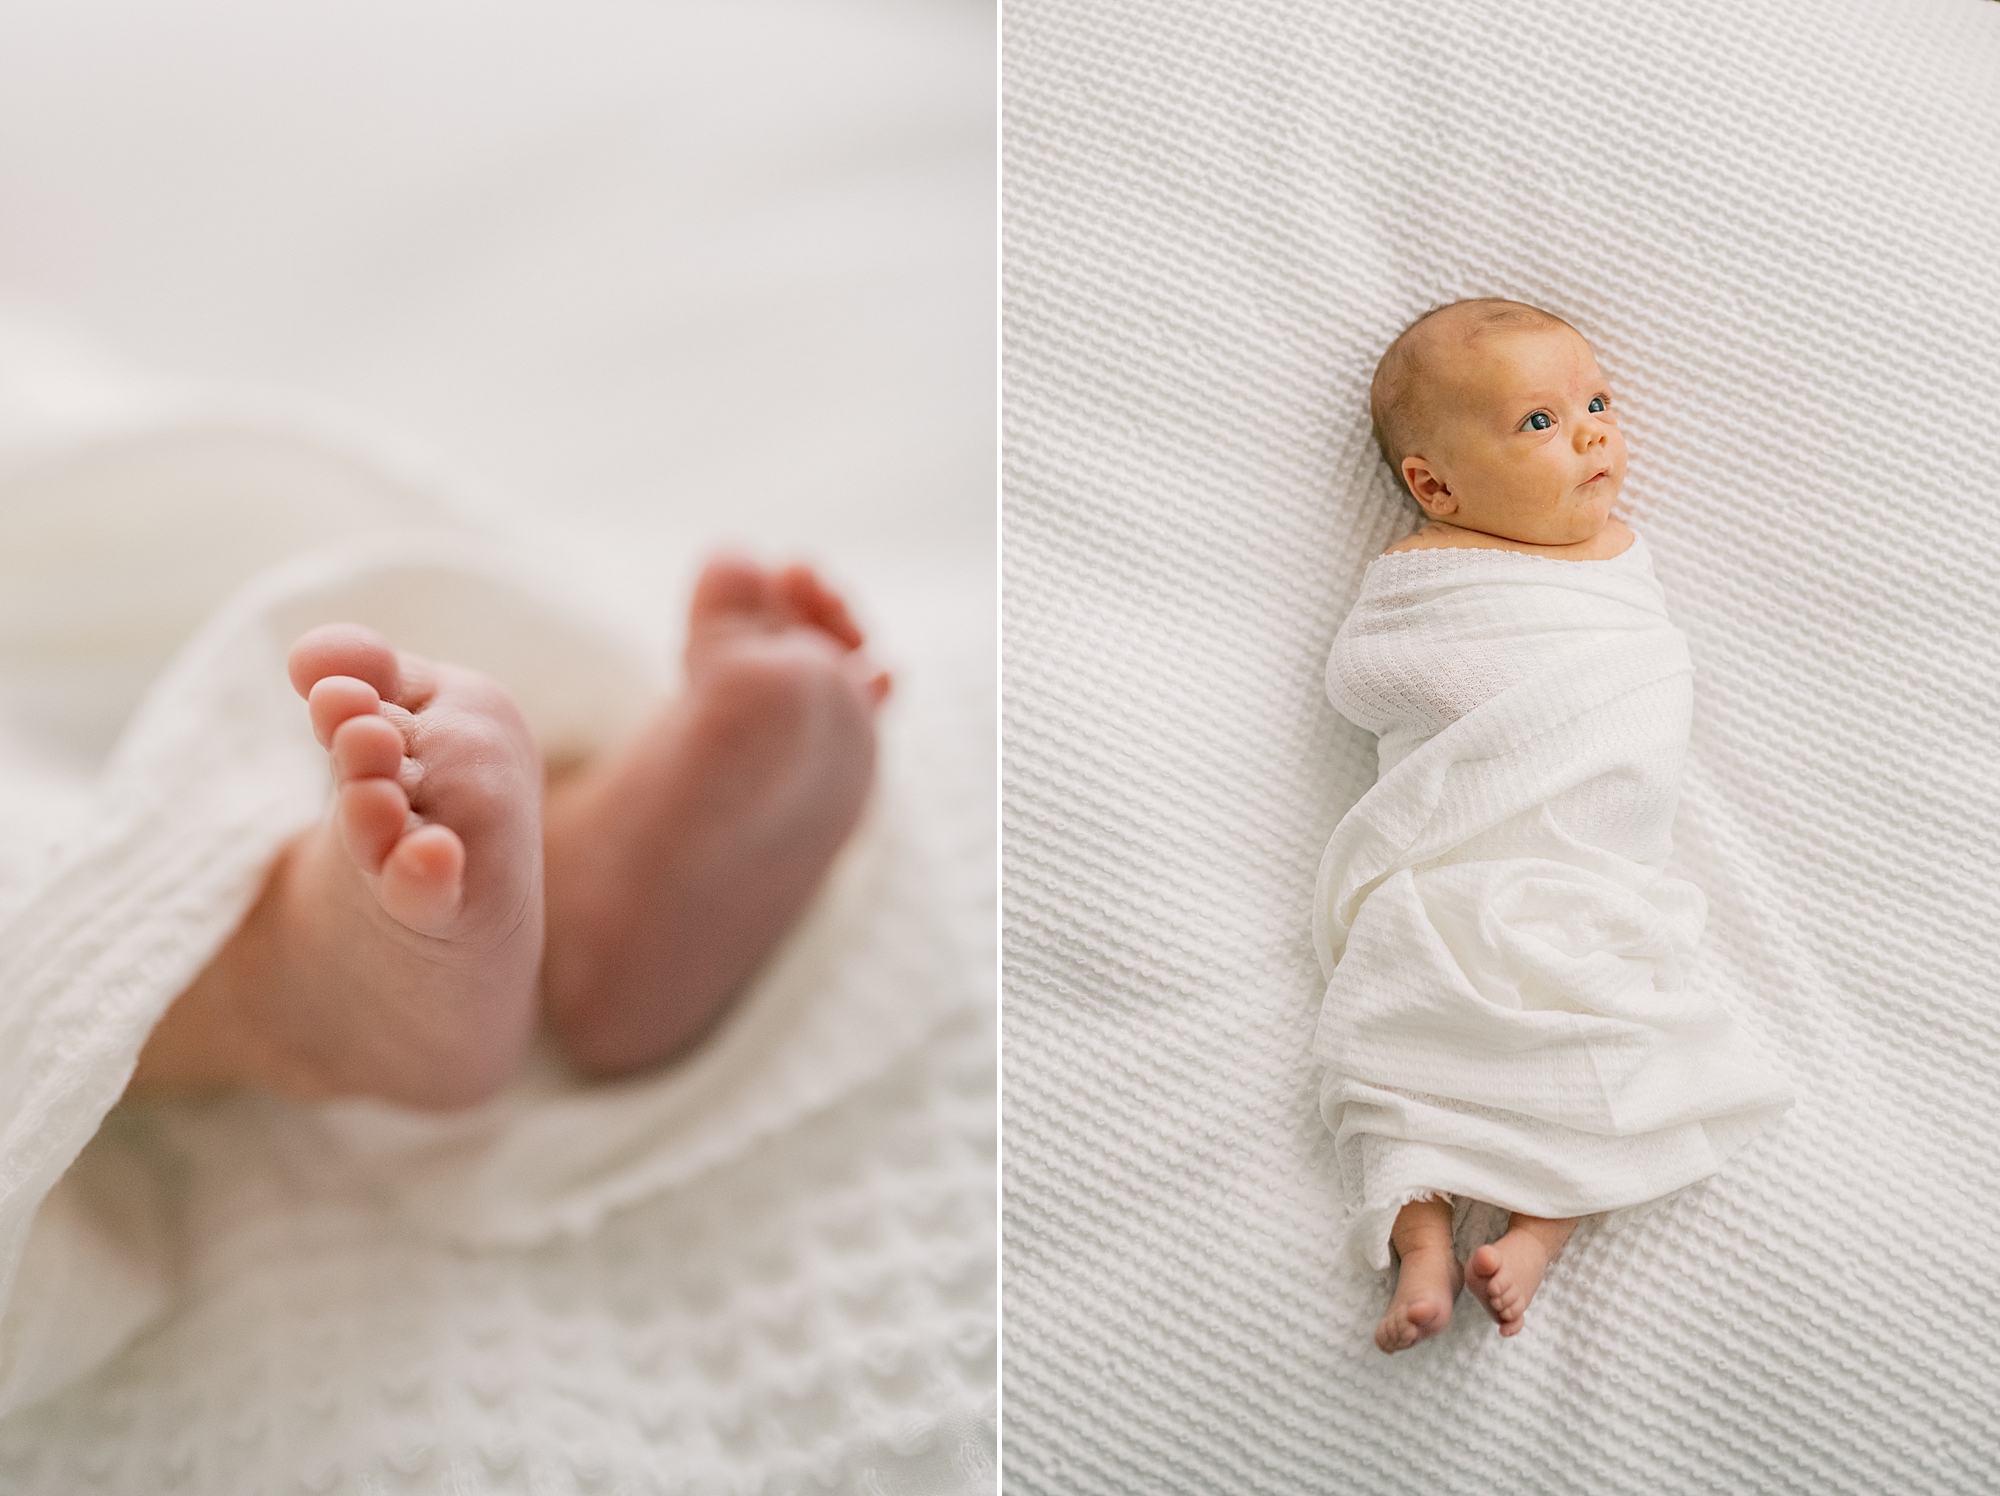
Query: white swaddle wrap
{"type": "Point", "coordinates": [1508, 1016]}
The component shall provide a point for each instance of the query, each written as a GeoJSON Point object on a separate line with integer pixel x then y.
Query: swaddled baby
{"type": "Point", "coordinates": [1508, 1016]}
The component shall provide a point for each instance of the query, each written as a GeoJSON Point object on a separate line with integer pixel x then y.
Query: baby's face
{"type": "Point", "coordinates": [1526, 442]}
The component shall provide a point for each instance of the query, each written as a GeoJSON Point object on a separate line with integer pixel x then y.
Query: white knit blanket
{"type": "Point", "coordinates": [145, 877]}
{"type": "Point", "coordinates": [1509, 1014]}
{"type": "Point", "coordinates": [1775, 223]}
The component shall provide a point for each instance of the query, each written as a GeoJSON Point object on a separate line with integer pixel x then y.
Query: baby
{"type": "Point", "coordinates": [1506, 1018]}
{"type": "Point", "coordinates": [408, 945]}
{"type": "Point", "coordinates": [1443, 403]}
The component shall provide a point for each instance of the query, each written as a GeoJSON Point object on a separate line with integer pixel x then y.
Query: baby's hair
{"type": "Point", "coordinates": [1398, 398]}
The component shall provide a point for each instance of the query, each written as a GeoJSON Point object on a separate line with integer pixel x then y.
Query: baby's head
{"type": "Point", "coordinates": [1496, 417]}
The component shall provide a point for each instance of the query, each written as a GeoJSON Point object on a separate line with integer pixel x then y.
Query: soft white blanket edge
{"type": "Point", "coordinates": [215, 772]}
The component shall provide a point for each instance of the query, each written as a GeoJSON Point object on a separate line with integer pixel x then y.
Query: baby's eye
{"type": "Point", "coordinates": [1597, 404]}
{"type": "Point", "coordinates": [1539, 421]}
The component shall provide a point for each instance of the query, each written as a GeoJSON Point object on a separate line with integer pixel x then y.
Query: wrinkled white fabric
{"type": "Point", "coordinates": [145, 872]}
{"type": "Point", "coordinates": [1509, 1013]}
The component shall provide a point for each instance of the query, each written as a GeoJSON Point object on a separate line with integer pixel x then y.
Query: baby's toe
{"type": "Point", "coordinates": [372, 814]}
{"type": "Point", "coordinates": [728, 584]}
{"type": "Point", "coordinates": [819, 605]}
{"type": "Point", "coordinates": [423, 878]}
{"type": "Point", "coordinates": [366, 747]}
{"type": "Point", "coordinates": [334, 699]}
{"type": "Point", "coordinates": [344, 649]}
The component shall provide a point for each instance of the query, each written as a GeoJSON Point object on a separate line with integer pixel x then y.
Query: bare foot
{"type": "Point", "coordinates": [677, 863]}
{"type": "Point", "coordinates": [395, 949]}
{"type": "Point", "coordinates": [1427, 1276]}
{"type": "Point", "coordinates": [1504, 1275]}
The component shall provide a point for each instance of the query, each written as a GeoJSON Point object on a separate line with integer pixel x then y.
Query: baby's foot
{"type": "Point", "coordinates": [676, 863]}
{"type": "Point", "coordinates": [1504, 1275]}
{"type": "Point", "coordinates": [1427, 1285]}
{"type": "Point", "coordinates": [402, 936]}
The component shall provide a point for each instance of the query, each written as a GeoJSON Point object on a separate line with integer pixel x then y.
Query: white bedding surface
{"type": "Point", "coordinates": [623, 283]}
{"type": "Point", "coordinates": [1775, 223]}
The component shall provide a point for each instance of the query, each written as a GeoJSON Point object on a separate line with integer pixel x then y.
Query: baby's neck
{"type": "Point", "coordinates": [1440, 535]}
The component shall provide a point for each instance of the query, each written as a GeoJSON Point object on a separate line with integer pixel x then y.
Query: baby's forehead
{"type": "Point", "coordinates": [1467, 354]}
{"type": "Point", "coordinates": [1483, 359]}
{"type": "Point", "coordinates": [1469, 339]}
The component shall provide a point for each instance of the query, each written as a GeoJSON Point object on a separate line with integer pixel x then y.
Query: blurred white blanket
{"type": "Point", "coordinates": [121, 885]}
{"type": "Point", "coordinates": [1509, 1014]}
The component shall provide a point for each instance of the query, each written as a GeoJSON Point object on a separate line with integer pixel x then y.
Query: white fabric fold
{"type": "Point", "coordinates": [1508, 1013]}
{"type": "Point", "coordinates": [149, 870]}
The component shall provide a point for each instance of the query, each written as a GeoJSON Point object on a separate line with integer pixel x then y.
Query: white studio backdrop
{"type": "Point", "coordinates": [643, 269]}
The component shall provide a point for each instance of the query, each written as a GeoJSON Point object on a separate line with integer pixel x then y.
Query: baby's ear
{"type": "Point", "coordinates": [1427, 488]}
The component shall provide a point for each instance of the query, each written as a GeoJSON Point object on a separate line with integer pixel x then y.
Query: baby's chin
{"type": "Point", "coordinates": [1542, 529]}
{"type": "Point", "coordinates": [1582, 519]}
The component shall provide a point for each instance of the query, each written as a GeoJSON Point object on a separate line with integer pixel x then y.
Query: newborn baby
{"type": "Point", "coordinates": [406, 947]}
{"type": "Point", "coordinates": [1507, 1017]}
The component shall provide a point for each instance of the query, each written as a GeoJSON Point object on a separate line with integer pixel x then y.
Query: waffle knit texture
{"type": "Point", "coordinates": [1775, 225]}
{"type": "Point", "coordinates": [767, 1264]}
{"type": "Point", "coordinates": [1508, 1015]}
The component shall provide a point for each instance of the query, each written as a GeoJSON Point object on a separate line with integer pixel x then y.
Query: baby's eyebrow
{"type": "Point", "coordinates": [1532, 403]}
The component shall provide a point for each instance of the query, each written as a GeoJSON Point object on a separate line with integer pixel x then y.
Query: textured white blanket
{"type": "Point", "coordinates": [1775, 223]}
{"type": "Point", "coordinates": [1508, 1014]}
{"type": "Point", "coordinates": [215, 772]}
